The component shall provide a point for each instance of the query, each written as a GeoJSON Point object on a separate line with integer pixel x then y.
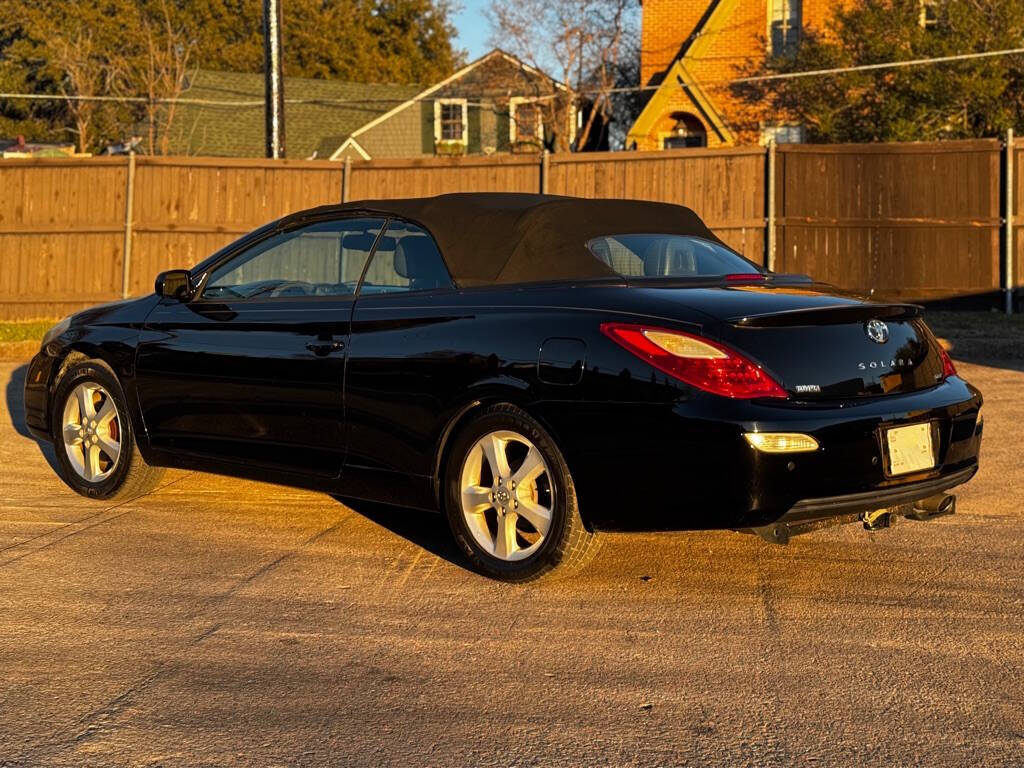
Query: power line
{"type": "Point", "coordinates": [229, 102]}
{"type": "Point", "coordinates": [586, 91]}
{"type": "Point", "coordinates": [822, 72]}
{"type": "Point", "coordinates": [874, 67]}
{"type": "Point", "coordinates": [180, 100]}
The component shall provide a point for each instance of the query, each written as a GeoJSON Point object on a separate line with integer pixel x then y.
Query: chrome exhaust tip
{"type": "Point", "coordinates": [939, 505]}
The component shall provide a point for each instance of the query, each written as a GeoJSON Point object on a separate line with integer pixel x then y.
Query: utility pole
{"type": "Point", "coordinates": [1008, 242]}
{"type": "Point", "coordinates": [272, 75]}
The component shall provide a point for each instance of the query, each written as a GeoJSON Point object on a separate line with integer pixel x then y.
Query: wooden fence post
{"type": "Point", "coordinates": [545, 169]}
{"type": "Point", "coordinates": [129, 205]}
{"type": "Point", "coordinates": [346, 179]}
{"type": "Point", "coordinates": [1008, 245]}
{"type": "Point", "coordinates": [769, 240]}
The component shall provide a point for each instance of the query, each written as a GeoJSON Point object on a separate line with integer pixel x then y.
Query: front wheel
{"type": "Point", "coordinates": [93, 436]}
{"type": "Point", "coordinates": [510, 500]}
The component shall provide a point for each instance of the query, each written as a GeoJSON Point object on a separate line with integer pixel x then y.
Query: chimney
{"type": "Point", "coordinates": [666, 25]}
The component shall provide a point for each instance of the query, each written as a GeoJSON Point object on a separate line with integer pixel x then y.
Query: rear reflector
{"type": "Point", "coordinates": [781, 442]}
{"type": "Point", "coordinates": [699, 362]}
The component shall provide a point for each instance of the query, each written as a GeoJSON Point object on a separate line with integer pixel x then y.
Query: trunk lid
{"type": "Point", "coordinates": [834, 354]}
{"type": "Point", "coordinates": [823, 344]}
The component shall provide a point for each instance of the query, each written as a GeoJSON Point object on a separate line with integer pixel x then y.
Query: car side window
{"type": "Point", "coordinates": [325, 258]}
{"type": "Point", "coordinates": [407, 259]}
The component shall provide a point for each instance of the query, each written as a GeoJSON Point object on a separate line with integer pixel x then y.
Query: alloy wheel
{"type": "Point", "coordinates": [507, 495]}
{"type": "Point", "coordinates": [92, 431]}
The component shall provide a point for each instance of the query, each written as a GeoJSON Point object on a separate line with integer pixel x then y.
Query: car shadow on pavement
{"type": "Point", "coordinates": [1007, 360]}
{"type": "Point", "coordinates": [15, 393]}
{"type": "Point", "coordinates": [424, 529]}
{"type": "Point", "coordinates": [981, 338]}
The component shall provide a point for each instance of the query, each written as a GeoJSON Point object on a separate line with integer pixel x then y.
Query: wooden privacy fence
{"type": "Point", "coordinates": [914, 221]}
{"type": "Point", "coordinates": [917, 221]}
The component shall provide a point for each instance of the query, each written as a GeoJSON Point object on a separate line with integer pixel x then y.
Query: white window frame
{"type": "Point", "coordinates": [923, 16]}
{"type": "Point", "coordinates": [771, 18]}
{"type": "Point", "coordinates": [465, 121]}
{"type": "Point", "coordinates": [769, 130]}
{"type": "Point", "coordinates": [513, 124]}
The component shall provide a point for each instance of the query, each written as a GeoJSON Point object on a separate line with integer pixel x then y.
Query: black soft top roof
{"type": "Point", "coordinates": [493, 238]}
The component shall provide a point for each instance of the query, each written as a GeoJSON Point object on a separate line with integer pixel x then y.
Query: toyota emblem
{"type": "Point", "coordinates": [877, 331]}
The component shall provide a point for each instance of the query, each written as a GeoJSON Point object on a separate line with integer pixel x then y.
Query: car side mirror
{"type": "Point", "coordinates": [174, 284]}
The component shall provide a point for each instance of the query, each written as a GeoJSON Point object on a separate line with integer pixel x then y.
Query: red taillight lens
{"type": "Point", "coordinates": [695, 360]}
{"type": "Point", "coordinates": [948, 369]}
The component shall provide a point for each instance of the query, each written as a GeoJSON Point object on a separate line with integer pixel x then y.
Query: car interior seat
{"type": "Point", "coordinates": [417, 258]}
{"type": "Point", "coordinates": [665, 257]}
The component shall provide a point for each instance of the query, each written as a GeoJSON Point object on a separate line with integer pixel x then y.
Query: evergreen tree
{"type": "Point", "coordinates": [138, 48]}
{"type": "Point", "coordinates": [976, 98]}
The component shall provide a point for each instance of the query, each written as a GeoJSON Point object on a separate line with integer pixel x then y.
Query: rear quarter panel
{"type": "Point", "coordinates": [419, 363]}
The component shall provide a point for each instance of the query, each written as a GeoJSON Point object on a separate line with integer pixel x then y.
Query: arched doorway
{"type": "Point", "coordinates": [687, 131]}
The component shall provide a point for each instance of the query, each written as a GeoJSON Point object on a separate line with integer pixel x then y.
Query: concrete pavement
{"type": "Point", "coordinates": [224, 622]}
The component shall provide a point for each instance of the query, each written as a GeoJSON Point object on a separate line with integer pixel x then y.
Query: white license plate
{"type": "Point", "coordinates": [910, 448]}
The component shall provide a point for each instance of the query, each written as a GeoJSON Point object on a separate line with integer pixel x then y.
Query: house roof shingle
{"type": "Point", "coordinates": [318, 124]}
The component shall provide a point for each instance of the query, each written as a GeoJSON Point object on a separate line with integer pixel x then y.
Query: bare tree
{"type": "Point", "coordinates": [82, 71]}
{"type": "Point", "coordinates": [584, 42]}
{"type": "Point", "coordinates": [162, 74]}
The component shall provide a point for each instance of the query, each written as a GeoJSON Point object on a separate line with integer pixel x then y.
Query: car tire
{"type": "Point", "coordinates": [86, 447]}
{"type": "Point", "coordinates": [539, 516]}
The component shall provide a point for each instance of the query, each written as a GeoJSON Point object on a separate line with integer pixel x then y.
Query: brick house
{"type": "Point", "coordinates": [494, 104]}
{"type": "Point", "coordinates": [690, 49]}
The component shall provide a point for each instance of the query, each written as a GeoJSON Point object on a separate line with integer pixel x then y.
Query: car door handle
{"type": "Point", "coordinates": [324, 348]}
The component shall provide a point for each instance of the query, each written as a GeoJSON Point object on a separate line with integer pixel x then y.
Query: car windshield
{"type": "Point", "coordinates": [668, 256]}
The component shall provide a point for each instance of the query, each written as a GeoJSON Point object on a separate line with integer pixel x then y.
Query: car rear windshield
{"type": "Point", "coordinates": [652, 255]}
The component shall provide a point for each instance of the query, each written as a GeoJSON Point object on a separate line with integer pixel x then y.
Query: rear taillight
{"type": "Point", "coordinates": [948, 369]}
{"type": "Point", "coordinates": [695, 360]}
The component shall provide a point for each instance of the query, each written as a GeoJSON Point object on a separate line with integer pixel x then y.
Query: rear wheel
{"type": "Point", "coordinates": [93, 436]}
{"type": "Point", "coordinates": [510, 500]}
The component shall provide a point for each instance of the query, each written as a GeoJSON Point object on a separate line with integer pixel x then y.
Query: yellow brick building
{"type": "Point", "coordinates": [691, 49]}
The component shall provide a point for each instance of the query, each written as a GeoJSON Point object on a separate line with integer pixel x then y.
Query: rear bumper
{"type": "Point", "coordinates": [808, 510]}
{"type": "Point", "coordinates": [847, 475]}
{"type": "Point", "coordinates": [686, 466]}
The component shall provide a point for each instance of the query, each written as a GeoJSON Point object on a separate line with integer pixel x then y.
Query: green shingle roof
{"type": "Point", "coordinates": [237, 131]}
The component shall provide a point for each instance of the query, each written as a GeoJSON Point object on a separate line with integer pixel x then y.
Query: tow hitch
{"type": "Point", "coordinates": [939, 505]}
{"type": "Point", "coordinates": [877, 519]}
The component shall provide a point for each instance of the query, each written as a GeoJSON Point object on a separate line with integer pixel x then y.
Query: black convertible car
{"type": "Point", "coordinates": [538, 368]}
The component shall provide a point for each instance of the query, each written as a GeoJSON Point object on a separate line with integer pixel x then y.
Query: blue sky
{"type": "Point", "coordinates": [473, 27]}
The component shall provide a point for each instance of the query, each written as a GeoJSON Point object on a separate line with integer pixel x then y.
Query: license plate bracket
{"type": "Point", "coordinates": [909, 448]}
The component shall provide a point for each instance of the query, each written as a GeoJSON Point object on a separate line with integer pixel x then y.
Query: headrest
{"type": "Point", "coordinates": [416, 257]}
{"type": "Point", "coordinates": [654, 259]}
{"type": "Point", "coordinates": [663, 257]}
